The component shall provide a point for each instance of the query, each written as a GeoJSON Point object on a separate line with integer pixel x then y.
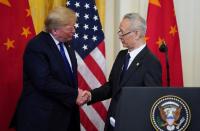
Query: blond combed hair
{"type": "Point", "coordinates": [59, 17]}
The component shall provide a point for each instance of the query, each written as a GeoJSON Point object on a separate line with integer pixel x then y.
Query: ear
{"type": "Point", "coordinates": [137, 35]}
{"type": "Point", "coordinates": [54, 32]}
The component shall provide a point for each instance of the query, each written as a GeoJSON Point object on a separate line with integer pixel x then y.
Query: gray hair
{"type": "Point", "coordinates": [59, 17]}
{"type": "Point", "coordinates": [138, 23]}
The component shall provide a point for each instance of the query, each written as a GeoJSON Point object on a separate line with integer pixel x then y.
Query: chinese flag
{"type": "Point", "coordinates": [16, 29]}
{"type": "Point", "coordinates": [162, 26]}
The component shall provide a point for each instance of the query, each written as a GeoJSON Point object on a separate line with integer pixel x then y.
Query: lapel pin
{"type": "Point", "coordinates": [137, 64]}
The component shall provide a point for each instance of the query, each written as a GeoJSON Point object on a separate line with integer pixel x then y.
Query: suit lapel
{"type": "Point", "coordinates": [118, 68]}
{"type": "Point", "coordinates": [73, 60]}
{"type": "Point", "coordinates": [72, 57]}
{"type": "Point", "coordinates": [57, 55]}
{"type": "Point", "coordinates": [55, 51]}
{"type": "Point", "coordinates": [137, 62]}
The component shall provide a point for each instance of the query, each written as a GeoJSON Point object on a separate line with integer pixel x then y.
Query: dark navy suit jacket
{"type": "Point", "coordinates": [48, 100]}
{"type": "Point", "coordinates": [145, 70]}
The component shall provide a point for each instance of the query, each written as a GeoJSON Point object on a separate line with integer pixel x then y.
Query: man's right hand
{"type": "Point", "coordinates": [83, 97]}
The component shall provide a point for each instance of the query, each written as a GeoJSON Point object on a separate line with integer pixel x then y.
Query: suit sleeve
{"type": "Point", "coordinates": [106, 91]}
{"type": "Point", "coordinates": [38, 69]}
{"type": "Point", "coordinates": [102, 93]}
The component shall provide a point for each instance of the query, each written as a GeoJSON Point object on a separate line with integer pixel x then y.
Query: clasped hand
{"type": "Point", "coordinates": [83, 97]}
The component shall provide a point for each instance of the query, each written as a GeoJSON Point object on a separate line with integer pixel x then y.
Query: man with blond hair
{"type": "Point", "coordinates": [50, 96]}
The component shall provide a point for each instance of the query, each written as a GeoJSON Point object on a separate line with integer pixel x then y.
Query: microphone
{"type": "Point", "coordinates": [163, 47]}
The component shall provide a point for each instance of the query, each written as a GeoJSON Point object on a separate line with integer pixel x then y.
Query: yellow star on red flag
{"type": "Point", "coordinates": [9, 44]}
{"type": "Point", "coordinates": [28, 12]}
{"type": "Point", "coordinates": [173, 30]}
{"type": "Point", "coordinates": [146, 38]}
{"type": "Point", "coordinates": [25, 32]}
{"type": "Point", "coordinates": [160, 41]}
{"type": "Point", "coordinates": [14, 37]}
{"type": "Point", "coordinates": [5, 2]}
{"type": "Point", "coordinates": [163, 29]}
{"type": "Point", "coordinates": [155, 2]}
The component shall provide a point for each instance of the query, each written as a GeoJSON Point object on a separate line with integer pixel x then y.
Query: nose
{"type": "Point", "coordinates": [120, 37]}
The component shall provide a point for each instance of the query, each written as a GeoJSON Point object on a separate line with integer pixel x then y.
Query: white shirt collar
{"type": "Point", "coordinates": [54, 39]}
{"type": "Point", "coordinates": [134, 53]}
{"type": "Point", "coordinates": [66, 52]}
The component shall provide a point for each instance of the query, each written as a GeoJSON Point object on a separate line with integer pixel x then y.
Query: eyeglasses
{"type": "Point", "coordinates": [122, 35]}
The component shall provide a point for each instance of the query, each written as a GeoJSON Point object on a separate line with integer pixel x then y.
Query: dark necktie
{"type": "Point", "coordinates": [67, 65]}
{"type": "Point", "coordinates": [126, 61]}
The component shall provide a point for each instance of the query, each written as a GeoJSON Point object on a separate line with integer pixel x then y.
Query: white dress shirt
{"type": "Point", "coordinates": [66, 52]}
{"type": "Point", "coordinates": [134, 53]}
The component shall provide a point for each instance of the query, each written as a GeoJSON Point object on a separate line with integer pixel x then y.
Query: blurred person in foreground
{"type": "Point", "coordinates": [50, 96]}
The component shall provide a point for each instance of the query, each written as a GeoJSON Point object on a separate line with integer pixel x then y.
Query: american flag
{"type": "Point", "coordinates": [89, 45]}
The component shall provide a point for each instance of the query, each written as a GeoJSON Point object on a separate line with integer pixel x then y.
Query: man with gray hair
{"type": "Point", "coordinates": [50, 96]}
{"type": "Point", "coordinates": [135, 66]}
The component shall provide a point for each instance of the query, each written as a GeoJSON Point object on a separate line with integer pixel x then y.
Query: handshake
{"type": "Point", "coordinates": [84, 96]}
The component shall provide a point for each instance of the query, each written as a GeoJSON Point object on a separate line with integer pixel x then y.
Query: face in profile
{"type": "Point", "coordinates": [126, 35]}
{"type": "Point", "coordinates": [65, 33]}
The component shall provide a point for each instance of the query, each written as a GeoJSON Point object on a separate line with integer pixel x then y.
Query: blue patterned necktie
{"type": "Point", "coordinates": [67, 65]}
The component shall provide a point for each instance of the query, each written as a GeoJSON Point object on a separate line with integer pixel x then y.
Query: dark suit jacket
{"type": "Point", "coordinates": [48, 100]}
{"type": "Point", "coordinates": [145, 70]}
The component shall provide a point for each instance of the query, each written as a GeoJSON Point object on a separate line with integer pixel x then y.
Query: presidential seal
{"type": "Point", "coordinates": [170, 113]}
